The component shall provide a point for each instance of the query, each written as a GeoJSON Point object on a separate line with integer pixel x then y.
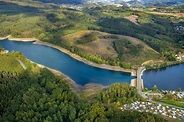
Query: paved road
{"type": "Point", "coordinates": [22, 64]}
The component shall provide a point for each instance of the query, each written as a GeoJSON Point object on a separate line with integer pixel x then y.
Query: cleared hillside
{"type": "Point", "coordinates": [110, 48]}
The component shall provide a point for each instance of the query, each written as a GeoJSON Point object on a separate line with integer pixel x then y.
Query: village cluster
{"type": "Point", "coordinates": [155, 108]}
{"type": "Point", "coordinates": [178, 94]}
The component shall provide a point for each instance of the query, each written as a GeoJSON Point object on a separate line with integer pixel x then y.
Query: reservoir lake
{"type": "Point", "coordinates": [170, 78]}
{"type": "Point", "coordinates": [78, 71]}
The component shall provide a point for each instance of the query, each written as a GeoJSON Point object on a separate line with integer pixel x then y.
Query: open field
{"type": "Point", "coordinates": [167, 14]}
{"type": "Point", "coordinates": [132, 18]}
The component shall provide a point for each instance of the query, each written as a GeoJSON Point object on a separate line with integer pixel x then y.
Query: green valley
{"type": "Point", "coordinates": [126, 36]}
{"type": "Point", "coordinates": [54, 24]}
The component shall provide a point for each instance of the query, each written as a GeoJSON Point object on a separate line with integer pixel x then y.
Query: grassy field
{"type": "Point", "coordinates": [175, 103]}
{"type": "Point", "coordinates": [9, 64]}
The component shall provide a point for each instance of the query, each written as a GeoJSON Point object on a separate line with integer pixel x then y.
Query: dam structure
{"type": "Point", "coordinates": [140, 84]}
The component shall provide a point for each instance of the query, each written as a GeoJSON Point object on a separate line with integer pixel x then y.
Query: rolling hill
{"type": "Point", "coordinates": [67, 28]}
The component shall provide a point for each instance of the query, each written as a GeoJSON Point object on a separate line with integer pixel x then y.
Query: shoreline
{"type": "Point", "coordinates": [56, 72]}
{"type": "Point", "coordinates": [133, 72]}
{"type": "Point", "coordinates": [75, 56]}
{"type": "Point", "coordinates": [60, 74]}
{"type": "Point", "coordinates": [19, 39]}
{"type": "Point", "coordinates": [3, 38]}
{"type": "Point", "coordinates": [76, 87]}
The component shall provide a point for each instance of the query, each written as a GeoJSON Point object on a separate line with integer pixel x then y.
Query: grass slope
{"type": "Point", "coordinates": [9, 64]}
{"type": "Point", "coordinates": [112, 47]}
{"type": "Point", "coordinates": [172, 102]}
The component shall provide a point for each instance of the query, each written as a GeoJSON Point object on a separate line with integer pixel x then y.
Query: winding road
{"type": "Point", "coordinates": [22, 64]}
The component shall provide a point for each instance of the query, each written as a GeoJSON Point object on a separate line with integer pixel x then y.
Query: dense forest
{"type": "Point", "coordinates": [38, 95]}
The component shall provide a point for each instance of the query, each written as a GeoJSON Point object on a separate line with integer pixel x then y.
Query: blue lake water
{"type": "Point", "coordinates": [170, 78]}
{"type": "Point", "coordinates": [80, 72]}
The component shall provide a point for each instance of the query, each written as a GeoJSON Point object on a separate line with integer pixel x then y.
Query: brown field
{"type": "Point", "coordinates": [71, 38]}
{"type": "Point", "coordinates": [104, 47]}
{"type": "Point", "coordinates": [150, 62]}
{"type": "Point", "coordinates": [133, 18]}
{"type": "Point", "coordinates": [168, 14]}
{"type": "Point", "coordinates": [91, 89]}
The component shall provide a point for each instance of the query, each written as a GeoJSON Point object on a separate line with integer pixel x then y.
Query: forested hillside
{"type": "Point", "coordinates": [65, 27]}
{"type": "Point", "coordinates": [111, 35]}
{"type": "Point", "coordinates": [38, 95]}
